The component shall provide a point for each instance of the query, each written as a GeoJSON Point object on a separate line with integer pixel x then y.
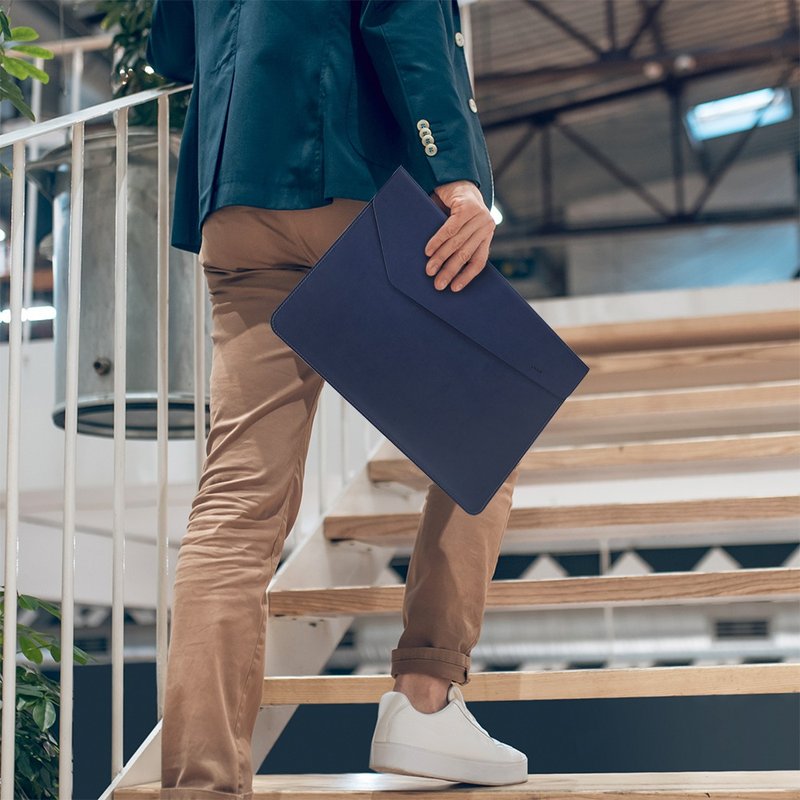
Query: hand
{"type": "Point", "coordinates": [461, 246]}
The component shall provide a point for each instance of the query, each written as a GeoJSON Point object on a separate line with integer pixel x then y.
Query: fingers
{"type": "Point", "coordinates": [454, 242]}
{"type": "Point", "coordinates": [462, 245]}
{"type": "Point", "coordinates": [461, 212]}
{"type": "Point", "coordinates": [460, 258]}
{"type": "Point", "coordinates": [472, 267]}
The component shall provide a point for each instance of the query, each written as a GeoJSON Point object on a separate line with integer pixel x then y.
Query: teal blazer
{"type": "Point", "coordinates": [295, 102]}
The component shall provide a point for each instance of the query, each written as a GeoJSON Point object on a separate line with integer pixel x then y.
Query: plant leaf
{"type": "Point", "coordinates": [23, 33]}
{"type": "Point", "coordinates": [30, 649]}
{"type": "Point", "coordinates": [20, 68]}
{"type": "Point", "coordinates": [49, 714]}
{"type": "Point", "coordinates": [80, 656]}
{"type": "Point", "coordinates": [28, 601]}
{"type": "Point", "coordinates": [40, 715]}
{"type": "Point", "coordinates": [32, 50]}
{"type": "Point", "coordinates": [4, 26]}
{"type": "Point", "coordinates": [23, 108]}
{"type": "Point", "coordinates": [49, 607]}
{"type": "Point", "coordinates": [14, 66]}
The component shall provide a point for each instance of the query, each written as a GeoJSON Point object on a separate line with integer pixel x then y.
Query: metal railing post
{"type": "Point", "coordinates": [120, 375]}
{"type": "Point", "coordinates": [162, 420]}
{"type": "Point", "coordinates": [7, 767]}
{"type": "Point", "coordinates": [65, 771]}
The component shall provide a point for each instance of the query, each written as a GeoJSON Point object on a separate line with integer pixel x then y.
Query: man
{"type": "Point", "coordinates": [300, 110]}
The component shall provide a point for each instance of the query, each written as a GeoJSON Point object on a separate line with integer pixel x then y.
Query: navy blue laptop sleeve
{"type": "Point", "coordinates": [461, 382]}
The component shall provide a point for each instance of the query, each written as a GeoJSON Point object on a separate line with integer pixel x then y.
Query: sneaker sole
{"type": "Point", "coordinates": [406, 760]}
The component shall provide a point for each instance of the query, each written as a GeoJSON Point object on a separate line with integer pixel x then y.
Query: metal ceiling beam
{"type": "Point", "coordinates": [567, 27]}
{"type": "Point", "coordinates": [613, 169]}
{"type": "Point", "coordinates": [737, 147]}
{"type": "Point", "coordinates": [648, 20]}
{"type": "Point", "coordinates": [706, 63]}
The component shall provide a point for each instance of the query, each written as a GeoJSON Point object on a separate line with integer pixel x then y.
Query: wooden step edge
{"type": "Point", "coordinates": [570, 684]}
{"type": "Point", "coordinates": [684, 450]}
{"type": "Point", "coordinates": [686, 400]}
{"type": "Point", "coordinates": [771, 583]}
{"type": "Point", "coordinates": [707, 365]}
{"type": "Point", "coordinates": [376, 527]}
{"type": "Point", "coordinates": [611, 337]}
{"type": "Point", "coordinates": [712, 785]}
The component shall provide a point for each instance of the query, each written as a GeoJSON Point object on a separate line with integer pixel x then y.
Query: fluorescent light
{"type": "Point", "coordinates": [497, 215]}
{"type": "Point", "coordinates": [738, 113]}
{"type": "Point", "coordinates": [33, 313]}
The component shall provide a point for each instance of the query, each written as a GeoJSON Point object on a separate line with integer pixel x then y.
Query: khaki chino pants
{"type": "Point", "coordinates": [263, 401]}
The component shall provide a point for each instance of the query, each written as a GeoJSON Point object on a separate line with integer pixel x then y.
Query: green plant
{"type": "Point", "coordinates": [131, 73]}
{"type": "Point", "coordinates": [37, 698]}
{"type": "Point", "coordinates": [13, 67]}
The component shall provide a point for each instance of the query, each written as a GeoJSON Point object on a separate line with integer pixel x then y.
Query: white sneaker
{"type": "Point", "coordinates": [448, 744]}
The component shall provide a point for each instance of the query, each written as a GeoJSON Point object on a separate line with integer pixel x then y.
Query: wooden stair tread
{"type": "Point", "coordinates": [568, 684]}
{"type": "Point", "coordinates": [568, 592]}
{"type": "Point", "coordinates": [690, 454]}
{"type": "Point", "coordinates": [666, 413]}
{"type": "Point", "coordinates": [647, 334]}
{"type": "Point", "coordinates": [707, 365]}
{"type": "Point", "coordinates": [734, 397]}
{"type": "Point", "coordinates": [540, 522]}
{"type": "Point", "coordinates": [735, 785]}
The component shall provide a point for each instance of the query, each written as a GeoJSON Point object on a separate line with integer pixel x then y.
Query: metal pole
{"type": "Point", "coordinates": [120, 375]}
{"type": "Point", "coordinates": [12, 476]}
{"type": "Point", "coordinates": [65, 766]}
{"type": "Point", "coordinates": [162, 419]}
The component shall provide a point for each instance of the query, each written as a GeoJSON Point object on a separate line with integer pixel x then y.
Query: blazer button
{"type": "Point", "coordinates": [423, 123]}
{"type": "Point", "coordinates": [472, 104]}
{"type": "Point", "coordinates": [431, 149]}
{"type": "Point", "coordinates": [425, 132]}
{"type": "Point", "coordinates": [459, 38]}
{"type": "Point", "coordinates": [428, 139]}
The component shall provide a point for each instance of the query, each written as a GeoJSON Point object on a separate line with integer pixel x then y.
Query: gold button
{"type": "Point", "coordinates": [425, 132]}
{"type": "Point", "coordinates": [459, 38]}
{"type": "Point", "coordinates": [423, 123]}
{"type": "Point", "coordinates": [428, 139]}
{"type": "Point", "coordinates": [431, 149]}
{"type": "Point", "coordinates": [472, 104]}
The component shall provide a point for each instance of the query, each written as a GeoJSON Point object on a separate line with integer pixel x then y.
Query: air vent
{"type": "Point", "coordinates": [741, 628]}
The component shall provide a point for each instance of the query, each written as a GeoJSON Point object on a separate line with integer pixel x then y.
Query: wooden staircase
{"type": "Point", "coordinates": [698, 396]}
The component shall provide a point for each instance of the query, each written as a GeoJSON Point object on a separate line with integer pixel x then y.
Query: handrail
{"type": "Point", "coordinates": [88, 113]}
{"type": "Point", "coordinates": [75, 122]}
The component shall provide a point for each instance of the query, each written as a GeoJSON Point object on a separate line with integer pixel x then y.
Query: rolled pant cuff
{"type": "Point", "coordinates": [436, 661]}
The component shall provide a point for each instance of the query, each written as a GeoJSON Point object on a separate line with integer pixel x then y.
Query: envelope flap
{"type": "Point", "coordinates": [406, 218]}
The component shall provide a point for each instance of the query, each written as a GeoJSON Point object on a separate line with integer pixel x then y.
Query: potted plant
{"type": "Point", "coordinates": [130, 72]}
{"type": "Point", "coordinates": [15, 67]}
{"type": "Point", "coordinates": [37, 698]}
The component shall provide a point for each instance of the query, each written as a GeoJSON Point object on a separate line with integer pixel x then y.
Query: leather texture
{"type": "Point", "coordinates": [461, 382]}
{"type": "Point", "coordinates": [295, 102]}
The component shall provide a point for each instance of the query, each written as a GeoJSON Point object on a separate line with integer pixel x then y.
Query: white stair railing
{"type": "Point", "coordinates": [351, 437]}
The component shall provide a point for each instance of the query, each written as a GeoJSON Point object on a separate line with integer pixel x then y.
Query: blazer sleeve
{"type": "Point", "coordinates": [408, 45]}
{"type": "Point", "coordinates": [170, 46]}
